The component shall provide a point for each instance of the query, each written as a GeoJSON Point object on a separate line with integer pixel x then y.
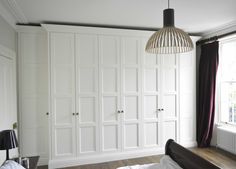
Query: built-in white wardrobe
{"type": "Point", "coordinates": [33, 93]}
{"type": "Point", "coordinates": [107, 98]}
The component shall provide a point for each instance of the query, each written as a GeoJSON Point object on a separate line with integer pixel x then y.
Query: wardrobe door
{"type": "Point", "coordinates": [187, 98]}
{"type": "Point", "coordinates": [109, 75]}
{"type": "Point", "coordinates": [131, 92]}
{"type": "Point", "coordinates": [87, 111]}
{"type": "Point", "coordinates": [151, 99]}
{"type": "Point", "coordinates": [33, 94]}
{"type": "Point", "coordinates": [62, 94]}
{"type": "Point", "coordinates": [170, 96]}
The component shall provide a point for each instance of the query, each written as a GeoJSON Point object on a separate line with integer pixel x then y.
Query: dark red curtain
{"type": "Point", "coordinates": [206, 97]}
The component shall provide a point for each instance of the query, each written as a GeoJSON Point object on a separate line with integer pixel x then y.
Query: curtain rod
{"type": "Point", "coordinates": [214, 38]}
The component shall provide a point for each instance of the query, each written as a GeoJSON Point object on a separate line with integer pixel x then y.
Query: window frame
{"type": "Point", "coordinates": [218, 114]}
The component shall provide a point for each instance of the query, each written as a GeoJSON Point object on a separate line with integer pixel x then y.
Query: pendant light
{"type": "Point", "coordinates": [169, 39]}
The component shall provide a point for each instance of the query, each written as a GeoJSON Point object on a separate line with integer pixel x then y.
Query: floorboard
{"type": "Point", "coordinates": [219, 157]}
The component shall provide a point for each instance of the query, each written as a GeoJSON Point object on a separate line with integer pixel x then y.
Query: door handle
{"type": "Point", "coordinates": [73, 114]}
{"type": "Point", "coordinates": [77, 114]}
{"type": "Point", "coordinates": [122, 111]}
{"type": "Point", "coordinates": [118, 111]}
{"type": "Point", "coordinates": [47, 113]}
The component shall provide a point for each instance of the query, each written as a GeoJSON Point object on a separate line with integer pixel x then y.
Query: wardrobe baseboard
{"type": "Point", "coordinates": [105, 157]}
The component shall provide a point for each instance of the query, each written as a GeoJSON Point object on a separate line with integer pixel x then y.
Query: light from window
{"type": "Point", "coordinates": [227, 81]}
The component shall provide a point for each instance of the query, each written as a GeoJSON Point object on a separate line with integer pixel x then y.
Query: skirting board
{"type": "Point", "coordinates": [189, 144]}
{"type": "Point", "coordinates": [98, 158]}
{"type": "Point", "coordinates": [92, 159]}
{"type": "Point", "coordinates": [43, 161]}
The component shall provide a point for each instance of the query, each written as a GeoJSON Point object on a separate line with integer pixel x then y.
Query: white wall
{"type": "Point", "coordinates": [7, 35]}
{"type": "Point", "coordinates": [8, 109]}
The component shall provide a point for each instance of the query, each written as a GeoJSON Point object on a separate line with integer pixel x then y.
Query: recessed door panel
{"type": "Point", "coordinates": [63, 79]}
{"type": "Point", "coordinates": [170, 81]}
{"type": "Point", "coordinates": [63, 109]}
{"type": "Point", "coordinates": [87, 139]}
{"type": "Point", "coordinates": [87, 80]}
{"type": "Point", "coordinates": [109, 108]}
{"type": "Point", "coordinates": [151, 79]}
{"type": "Point", "coordinates": [151, 134]}
{"type": "Point", "coordinates": [131, 136]}
{"type": "Point", "coordinates": [110, 137]}
{"type": "Point", "coordinates": [131, 49]}
{"type": "Point", "coordinates": [151, 59]}
{"type": "Point", "coordinates": [64, 144]}
{"type": "Point", "coordinates": [87, 109]}
{"type": "Point", "coordinates": [86, 46]}
{"type": "Point", "coordinates": [62, 45]}
{"type": "Point", "coordinates": [169, 60]}
{"type": "Point", "coordinates": [109, 77]}
{"type": "Point", "coordinates": [150, 107]}
{"type": "Point", "coordinates": [131, 108]}
{"type": "Point", "coordinates": [131, 80]}
{"type": "Point", "coordinates": [109, 50]}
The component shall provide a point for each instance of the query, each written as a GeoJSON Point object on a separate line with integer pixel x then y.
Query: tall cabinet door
{"type": "Point", "coordinates": [151, 99]}
{"type": "Point", "coordinates": [62, 94]}
{"type": "Point", "coordinates": [187, 99]}
{"type": "Point", "coordinates": [33, 95]}
{"type": "Point", "coordinates": [109, 75]}
{"type": "Point", "coordinates": [130, 92]}
{"type": "Point", "coordinates": [170, 96]}
{"type": "Point", "coordinates": [87, 93]}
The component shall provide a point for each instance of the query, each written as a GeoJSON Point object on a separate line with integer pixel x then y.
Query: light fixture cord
{"type": "Point", "coordinates": [168, 3]}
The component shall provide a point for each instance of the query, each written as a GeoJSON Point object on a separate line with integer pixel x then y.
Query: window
{"type": "Point", "coordinates": [227, 81]}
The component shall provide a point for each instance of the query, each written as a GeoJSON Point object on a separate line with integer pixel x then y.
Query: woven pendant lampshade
{"type": "Point", "coordinates": [169, 39]}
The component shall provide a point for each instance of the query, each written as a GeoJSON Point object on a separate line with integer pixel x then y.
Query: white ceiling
{"type": "Point", "coordinates": [194, 16]}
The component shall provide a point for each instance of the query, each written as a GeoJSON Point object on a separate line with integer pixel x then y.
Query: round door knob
{"type": "Point", "coordinates": [73, 114]}
{"type": "Point", "coordinates": [77, 114]}
{"type": "Point", "coordinates": [122, 111]}
{"type": "Point", "coordinates": [118, 111]}
{"type": "Point", "coordinates": [47, 113]}
{"type": "Point", "coordinates": [162, 109]}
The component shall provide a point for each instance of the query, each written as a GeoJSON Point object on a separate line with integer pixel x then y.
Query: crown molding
{"type": "Point", "coordinates": [7, 16]}
{"type": "Point", "coordinates": [229, 27]}
{"type": "Point", "coordinates": [30, 29]}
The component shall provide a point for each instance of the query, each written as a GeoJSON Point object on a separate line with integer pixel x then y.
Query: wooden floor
{"type": "Point", "coordinates": [220, 158]}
